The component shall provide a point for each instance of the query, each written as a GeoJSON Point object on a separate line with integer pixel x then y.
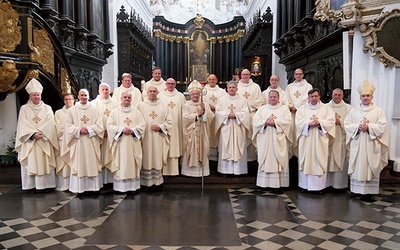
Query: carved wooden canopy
{"type": "Point", "coordinates": [378, 25]}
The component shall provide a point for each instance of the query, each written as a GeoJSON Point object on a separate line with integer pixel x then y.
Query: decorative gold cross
{"type": "Point", "coordinates": [153, 115]}
{"type": "Point", "coordinates": [213, 98]}
{"type": "Point", "coordinates": [36, 119]}
{"type": "Point", "coordinates": [297, 94]}
{"type": "Point", "coordinates": [107, 112]}
{"type": "Point", "coordinates": [171, 105]}
{"type": "Point", "coordinates": [231, 107]}
{"type": "Point", "coordinates": [337, 116]}
{"type": "Point", "coordinates": [272, 116]}
{"type": "Point", "coordinates": [365, 120]}
{"type": "Point", "coordinates": [127, 121]}
{"type": "Point", "coordinates": [314, 118]}
{"type": "Point", "coordinates": [85, 119]}
{"type": "Point", "coordinates": [246, 94]}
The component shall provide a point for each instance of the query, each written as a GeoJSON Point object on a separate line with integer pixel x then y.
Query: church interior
{"type": "Point", "coordinates": [73, 44]}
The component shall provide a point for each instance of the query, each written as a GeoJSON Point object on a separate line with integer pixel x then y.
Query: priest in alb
{"type": "Point", "coordinates": [175, 101]}
{"type": "Point", "coordinates": [315, 128]}
{"type": "Point", "coordinates": [126, 127]}
{"type": "Point", "coordinates": [271, 134]}
{"type": "Point", "coordinates": [127, 86]}
{"type": "Point", "coordinates": [63, 170]}
{"type": "Point", "coordinates": [211, 96]}
{"type": "Point", "coordinates": [36, 141]}
{"type": "Point", "coordinates": [156, 81]}
{"type": "Point", "coordinates": [338, 152]}
{"type": "Point", "coordinates": [156, 140]}
{"type": "Point", "coordinates": [105, 104]}
{"type": "Point", "coordinates": [84, 133]}
{"type": "Point", "coordinates": [251, 91]}
{"type": "Point", "coordinates": [232, 125]}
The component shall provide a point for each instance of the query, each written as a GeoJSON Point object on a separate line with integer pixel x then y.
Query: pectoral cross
{"type": "Point", "coordinates": [171, 105]}
{"type": "Point", "coordinates": [36, 119]}
{"type": "Point", "coordinates": [272, 117]}
{"type": "Point", "coordinates": [365, 120]}
{"type": "Point", "coordinates": [231, 107]}
{"type": "Point", "coordinates": [337, 116]}
{"type": "Point", "coordinates": [127, 121]}
{"type": "Point", "coordinates": [246, 94]}
{"type": "Point", "coordinates": [213, 98]}
{"type": "Point", "coordinates": [297, 94]}
{"type": "Point", "coordinates": [107, 112]}
{"type": "Point", "coordinates": [85, 119]}
{"type": "Point", "coordinates": [153, 115]}
{"type": "Point", "coordinates": [314, 118]}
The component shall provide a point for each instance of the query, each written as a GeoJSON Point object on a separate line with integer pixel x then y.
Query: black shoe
{"type": "Point", "coordinates": [277, 191]}
{"type": "Point", "coordinates": [367, 198]}
{"type": "Point", "coordinates": [354, 195]}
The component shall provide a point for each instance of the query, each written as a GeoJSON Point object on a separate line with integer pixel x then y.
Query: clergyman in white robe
{"type": "Point", "coordinates": [126, 127]}
{"type": "Point", "coordinates": [271, 134]}
{"type": "Point", "coordinates": [232, 123]}
{"type": "Point", "coordinates": [315, 123]}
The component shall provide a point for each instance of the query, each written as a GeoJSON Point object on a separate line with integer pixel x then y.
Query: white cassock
{"type": "Point", "coordinates": [251, 91]}
{"type": "Point", "coordinates": [105, 106]}
{"type": "Point", "coordinates": [155, 144]}
{"type": "Point", "coordinates": [160, 85]}
{"type": "Point", "coordinates": [63, 170]}
{"type": "Point", "coordinates": [283, 96]}
{"type": "Point", "coordinates": [338, 157]}
{"type": "Point", "coordinates": [196, 140]}
{"type": "Point", "coordinates": [233, 134]}
{"type": "Point", "coordinates": [212, 96]}
{"type": "Point", "coordinates": [84, 148]}
{"type": "Point", "coordinates": [313, 143]}
{"type": "Point", "coordinates": [37, 157]}
{"type": "Point", "coordinates": [298, 95]}
{"type": "Point", "coordinates": [175, 101]}
{"type": "Point", "coordinates": [135, 92]}
{"type": "Point", "coordinates": [368, 150]}
{"type": "Point", "coordinates": [126, 150]}
{"type": "Point", "coordinates": [272, 145]}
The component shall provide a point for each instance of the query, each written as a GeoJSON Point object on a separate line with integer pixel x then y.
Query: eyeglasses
{"type": "Point", "coordinates": [245, 74]}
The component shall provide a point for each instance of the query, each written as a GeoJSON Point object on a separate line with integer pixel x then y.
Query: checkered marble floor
{"type": "Point", "coordinates": [300, 233]}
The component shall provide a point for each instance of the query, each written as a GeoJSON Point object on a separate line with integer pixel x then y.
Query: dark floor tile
{"type": "Point", "coordinates": [21, 226]}
{"type": "Point", "coordinates": [372, 240]}
{"type": "Point", "coordinates": [395, 238]}
{"type": "Point", "coordinates": [251, 240]}
{"type": "Point", "coordinates": [8, 236]}
{"type": "Point", "coordinates": [388, 229]}
{"type": "Point", "coordinates": [342, 240]}
{"type": "Point", "coordinates": [56, 247]}
{"type": "Point", "coordinates": [303, 229]}
{"type": "Point", "coordinates": [247, 229]}
{"type": "Point", "coordinates": [282, 240]}
{"type": "Point", "coordinates": [35, 237]}
{"type": "Point", "coordinates": [275, 229]}
{"type": "Point", "coordinates": [90, 247]}
{"type": "Point", "coordinates": [76, 227]}
{"type": "Point", "coordinates": [331, 229]}
{"type": "Point", "coordinates": [311, 240]}
{"type": "Point", "coordinates": [359, 229]}
{"type": "Point", "coordinates": [66, 237]}
{"type": "Point", "coordinates": [27, 246]}
{"type": "Point", "coordinates": [49, 226]}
